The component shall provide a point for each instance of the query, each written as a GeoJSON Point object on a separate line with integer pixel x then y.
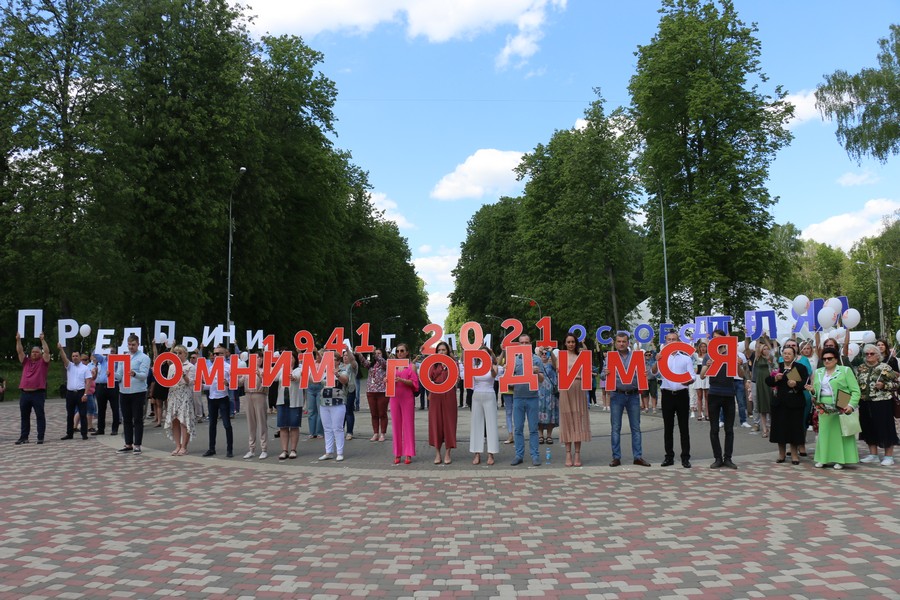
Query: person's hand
{"type": "Point", "coordinates": [59, 345]}
{"type": "Point", "coordinates": [779, 376]}
{"type": "Point", "coordinates": [809, 387]}
{"type": "Point", "coordinates": [879, 385]}
{"type": "Point", "coordinates": [41, 337]}
{"type": "Point", "coordinates": [18, 337]}
{"type": "Point", "coordinates": [847, 410]}
{"type": "Point", "coordinates": [84, 398]}
{"type": "Point", "coordinates": [792, 383]}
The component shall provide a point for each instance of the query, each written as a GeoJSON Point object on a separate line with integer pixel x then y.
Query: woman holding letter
{"type": "Point", "coordinates": [788, 405]}
{"type": "Point", "coordinates": [835, 393]}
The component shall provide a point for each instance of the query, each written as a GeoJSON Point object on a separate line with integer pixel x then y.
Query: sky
{"type": "Point", "coordinates": [439, 99]}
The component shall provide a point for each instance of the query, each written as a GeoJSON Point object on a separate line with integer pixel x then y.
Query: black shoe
{"type": "Point", "coordinates": [278, 434]}
{"type": "Point", "coordinates": [39, 442]}
{"type": "Point", "coordinates": [686, 463]}
{"type": "Point", "coordinates": [84, 437]}
{"type": "Point", "coordinates": [730, 464]}
{"type": "Point", "coordinates": [98, 433]}
{"type": "Point", "coordinates": [228, 454]}
{"type": "Point", "coordinates": [114, 432]}
{"type": "Point", "coordinates": [125, 449]}
{"type": "Point", "coordinates": [21, 441]}
{"type": "Point", "coordinates": [615, 462]}
{"type": "Point", "coordinates": [67, 437]}
{"type": "Point", "coordinates": [209, 453]}
{"type": "Point", "coordinates": [516, 461]}
{"type": "Point", "coordinates": [667, 463]}
{"type": "Point", "coordinates": [717, 465]}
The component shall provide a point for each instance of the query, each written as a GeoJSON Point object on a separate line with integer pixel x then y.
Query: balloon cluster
{"type": "Point", "coordinates": [829, 316]}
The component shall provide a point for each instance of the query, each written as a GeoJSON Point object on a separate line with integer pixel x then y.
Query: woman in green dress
{"type": "Point", "coordinates": [832, 446]}
{"type": "Point", "coordinates": [763, 366]}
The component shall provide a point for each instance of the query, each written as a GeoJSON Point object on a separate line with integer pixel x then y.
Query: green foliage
{"type": "Point", "coordinates": [866, 105]}
{"type": "Point", "coordinates": [122, 129]}
{"type": "Point", "coordinates": [708, 136]}
{"type": "Point", "coordinates": [572, 226]}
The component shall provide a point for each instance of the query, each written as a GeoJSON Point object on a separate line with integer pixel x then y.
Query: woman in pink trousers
{"type": "Point", "coordinates": [403, 409]}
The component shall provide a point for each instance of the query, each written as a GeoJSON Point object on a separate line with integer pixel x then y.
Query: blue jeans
{"type": "Point", "coordinates": [220, 407]}
{"type": "Point", "coordinates": [350, 414]}
{"type": "Point", "coordinates": [523, 407]}
{"type": "Point", "coordinates": [316, 427]}
{"type": "Point", "coordinates": [29, 401]}
{"type": "Point", "coordinates": [618, 403]}
{"type": "Point", "coordinates": [740, 392]}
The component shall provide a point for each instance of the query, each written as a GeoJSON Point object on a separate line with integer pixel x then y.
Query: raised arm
{"type": "Point", "coordinates": [62, 355]}
{"type": "Point", "coordinates": [19, 350]}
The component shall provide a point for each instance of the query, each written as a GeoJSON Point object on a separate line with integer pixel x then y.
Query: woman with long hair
{"type": "Point", "coordinates": [442, 410]}
{"type": "Point", "coordinates": [483, 430]}
{"type": "Point", "coordinates": [575, 424]}
{"type": "Point", "coordinates": [375, 387]}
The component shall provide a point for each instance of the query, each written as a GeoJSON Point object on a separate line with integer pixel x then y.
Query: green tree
{"type": "Point", "coordinates": [708, 137]}
{"type": "Point", "coordinates": [866, 105]}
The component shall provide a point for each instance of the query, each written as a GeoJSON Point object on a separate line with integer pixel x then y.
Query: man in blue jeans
{"type": "Point", "coordinates": [627, 397]}
{"type": "Point", "coordinates": [525, 402]}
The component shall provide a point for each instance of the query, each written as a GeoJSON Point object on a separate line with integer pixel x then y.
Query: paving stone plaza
{"type": "Point", "coordinates": [80, 521]}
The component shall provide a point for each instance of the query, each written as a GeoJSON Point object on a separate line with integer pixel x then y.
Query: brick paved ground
{"type": "Point", "coordinates": [79, 521]}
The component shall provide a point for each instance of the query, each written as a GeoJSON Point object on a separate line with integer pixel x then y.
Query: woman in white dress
{"type": "Point", "coordinates": [180, 406]}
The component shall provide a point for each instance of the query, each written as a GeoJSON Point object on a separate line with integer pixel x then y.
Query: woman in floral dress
{"type": "Point", "coordinates": [180, 407]}
{"type": "Point", "coordinates": [877, 384]}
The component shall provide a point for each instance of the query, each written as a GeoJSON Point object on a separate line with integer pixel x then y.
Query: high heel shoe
{"type": "Point", "coordinates": [396, 460]}
{"type": "Point", "coordinates": [780, 460]}
{"type": "Point", "coordinates": [407, 461]}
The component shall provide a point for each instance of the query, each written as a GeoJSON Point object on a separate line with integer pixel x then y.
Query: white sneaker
{"type": "Point", "coordinates": [809, 428]}
{"type": "Point", "coordinates": [838, 466]}
{"type": "Point", "coordinates": [349, 437]}
{"type": "Point", "coordinates": [248, 455]}
{"type": "Point", "coordinates": [888, 461]}
{"type": "Point", "coordinates": [326, 456]}
{"type": "Point", "coordinates": [340, 457]}
{"type": "Point", "coordinates": [263, 455]}
{"type": "Point", "coordinates": [820, 465]}
{"type": "Point", "coordinates": [745, 424]}
{"type": "Point", "coordinates": [872, 458]}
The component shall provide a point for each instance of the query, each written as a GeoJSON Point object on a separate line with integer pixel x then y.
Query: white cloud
{"type": "Point", "coordinates": [436, 270]}
{"type": "Point", "coordinates": [804, 107]}
{"type": "Point", "coordinates": [436, 21]}
{"type": "Point", "coordinates": [425, 249]}
{"type": "Point", "coordinates": [850, 179]}
{"type": "Point", "coordinates": [381, 202]}
{"type": "Point", "coordinates": [845, 229]}
{"type": "Point", "coordinates": [487, 172]}
{"type": "Point", "coordinates": [581, 124]}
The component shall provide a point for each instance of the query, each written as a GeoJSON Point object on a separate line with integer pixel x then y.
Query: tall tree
{"type": "Point", "coordinates": [709, 135]}
{"type": "Point", "coordinates": [866, 105]}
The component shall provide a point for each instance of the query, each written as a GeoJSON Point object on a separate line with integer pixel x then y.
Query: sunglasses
{"type": "Point", "coordinates": [219, 353]}
{"type": "Point", "coordinates": [830, 358]}
{"type": "Point", "coordinates": [870, 354]}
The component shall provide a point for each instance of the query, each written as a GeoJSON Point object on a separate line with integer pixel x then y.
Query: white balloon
{"type": "Point", "coordinates": [853, 350]}
{"type": "Point", "coordinates": [169, 343]}
{"type": "Point", "coordinates": [850, 318]}
{"type": "Point", "coordinates": [277, 354]}
{"type": "Point", "coordinates": [898, 336]}
{"type": "Point", "coordinates": [161, 339]}
{"type": "Point", "coordinates": [869, 337]}
{"type": "Point", "coordinates": [752, 346]}
{"type": "Point", "coordinates": [826, 317]}
{"type": "Point", "coordinates": [244, 356]}
{"type": "Point", "coordinates": [835, 305]}
{"type": "Point", "coordinates": [801, 304]}
{"type": "Point", "coordinates": [85, 330]}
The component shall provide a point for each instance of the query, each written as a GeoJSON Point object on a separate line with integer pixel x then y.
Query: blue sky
{"type": "Point", "coordinates": [438, 99]}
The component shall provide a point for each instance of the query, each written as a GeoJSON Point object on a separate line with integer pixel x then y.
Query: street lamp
{"type": "Point", "coordinates": [385, 320]}
{"type": "Point", "coordinates": [880, 303]}
{"type": "Point", "coordinates": [241, 171]}
{"type": "Point", "coordinates": [662, 219]}
{"type": "Point", "coordinates": [532, 300]}
{"type": "Point", "coordinates": [356, 303]}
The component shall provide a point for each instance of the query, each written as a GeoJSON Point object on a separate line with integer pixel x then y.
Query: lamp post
{"type": "Point", "coordinates": [355, 303]}
{"type": "Point", "coordinates": [662, 222]}
{"type": "Point", "coordinates": [385, 320]}
{"type": "Point", "coordinates": [532, 300]}
{"type": "Point", "coordinates": [880, 302]}
{"type": "Point", "coordinates": [241, 171]}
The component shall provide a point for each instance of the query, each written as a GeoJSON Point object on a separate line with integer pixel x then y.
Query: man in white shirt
{"type": "Point", "coordinates": [220, 406]}
{"type": "Point", "coordinates": [676, 403]}
{"type": "Point", "coordinates": [76, 374]}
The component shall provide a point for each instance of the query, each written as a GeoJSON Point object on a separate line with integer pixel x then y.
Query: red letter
{"type": "Point", "coordinates": [512, 338]}
{"type": "Point", "coordinates": [335, 341]}
{"type": "Point", "coordinates": [271, 367]}
{"type": "Point", "coordinates": [157, 369]}
{"type": "Point", "coordinates": [615, 366]}
{"type": "Point", "coordinates": [452, 375]}
{"type": "Point", "coordinates": [209, 375]}
{"type": "Point", "coordinates": [249, 371]}
{"type": "Point", "coordinates": [364, 345]}
{"type": "Point", "coordinates": [304, 342]}
{"type": "Point", "coordinates": [437, 333]}
{"type": "Point", "coordinates": [309, 371]}
{"type": "Point", "coordinates": [269, 342]}
{"type": "Point", "coordinates": [125, 359]}
{"type": "Point", "coordinates": [717, 359]}
{"type": "Point", "coordinates": [582, 364]}
{"type": "Point", "coordinates": [528, 375]}
{"type": "Point", "coordinates": [471, 371]}
{"type": "Point", "coordinates": [663, 362]}
{"type": "Point", "coordinates": [393, 365]}
{"type": "Point", "coordinates": [544, 326]}
{"type": "Point", "coordinates": [476, 343]}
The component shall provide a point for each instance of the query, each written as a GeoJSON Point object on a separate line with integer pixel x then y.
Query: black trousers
{"type": "Point", "coordinates": [73, 400]}
{"type": "Point", "coordinates": [107, 395]}
{"type": "Point", "coordinates": [221, 407]}
{"type": "Point", "coordinates": [726, 404]}
{"type": "Point", "coordinates": [133, 406]}
{"type": "Point", "coordinates": [676, 404]}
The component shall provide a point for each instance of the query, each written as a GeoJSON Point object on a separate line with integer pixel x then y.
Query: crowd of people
{"type": "Point", "coordinates": [780, 391]}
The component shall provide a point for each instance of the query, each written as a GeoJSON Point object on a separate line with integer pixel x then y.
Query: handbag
{"type": "Point", "coordinates": [850, 424]}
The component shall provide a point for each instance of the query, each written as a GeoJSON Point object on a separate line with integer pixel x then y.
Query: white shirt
{"type": "Point", "coordinates": [743, 358]}
{"type": "Point", "coordinates": [75, 376]}
{"type": "Point", "coordinates": [678, 363]}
